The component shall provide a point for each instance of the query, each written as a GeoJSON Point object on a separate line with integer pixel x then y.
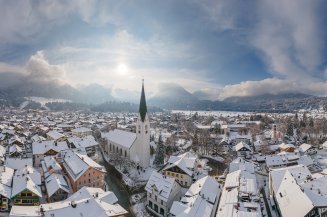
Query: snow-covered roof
{"type": "Point", "coordinates": [185, 162]}
{"type": "Point", "coordinates": [18, 163]}
{"type": "Point", "coordinates": [241, 164]}
{"type": "Point", "coordinates": [199, 200]}
{"type": "Point", "coordinates": [6, 175]}
{"type": "Point", "coordinates": [49, 162]}
{"type": "Point", "coordinates": [304, 147]}
{"type": "Point", "coordinates": [161, 184]}
{"type": "Point", "coordinates": [77, 164]}
{"type": "Point", "coordinates": [86, 207]}
{"type": "Point", "coordinates": [120, 137]}
{"type": "Point", "coordinates": [45, 146]}
{"type": "Point", "coordinates": [26, 178]}
{"type": "Point", "coordinates": [87, 141]}
{"type": "Point", "coordinates": [54, 182]}
{"type": "Point", "coordinates": [237, 183]}
{"type": "Point", "coordinates": [296, 192]}
{"type": "Point", "coordinates": [81, 130]}
{"type": "Point", "coordinates": [241, 145]}
{"type": "Point", "coordinates": [55, 135]}
{"type": "Point", "coordinates": [87, 192]}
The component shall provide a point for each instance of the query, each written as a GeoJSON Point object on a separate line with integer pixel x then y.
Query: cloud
{"type": "Point", "coordinates": [36, 69]}
{"type": "Point", "coordinates": [289, 36]}
{"type": "Point", "coordinates": [273, 86]}
{"type": "Point", "coordinates": [29, 20]}
{"type": "Point", "coordinates": [39, 69]}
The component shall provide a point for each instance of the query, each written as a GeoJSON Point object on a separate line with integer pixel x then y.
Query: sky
{"type": "Point", "coordinates": [222, 47]}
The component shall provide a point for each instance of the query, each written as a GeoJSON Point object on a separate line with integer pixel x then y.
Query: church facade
{"type": "Point", "coordinates": [134, 146]}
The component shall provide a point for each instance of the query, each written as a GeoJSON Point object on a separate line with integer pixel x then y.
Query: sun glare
{"type": "Point", "coordinates": [122, 69]}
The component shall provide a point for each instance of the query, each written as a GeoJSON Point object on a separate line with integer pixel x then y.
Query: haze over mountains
{"type": "Point", "coordinates": [167, 96]}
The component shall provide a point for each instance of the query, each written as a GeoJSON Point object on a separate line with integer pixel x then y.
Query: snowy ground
{"type": "Point", "coordinates": [138, 205]}
{"type": "Point", "coordinates": [133, 177]}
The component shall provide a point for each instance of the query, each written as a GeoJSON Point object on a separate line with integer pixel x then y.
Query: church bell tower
{"type": "Point", "coordinates": [143, 132]}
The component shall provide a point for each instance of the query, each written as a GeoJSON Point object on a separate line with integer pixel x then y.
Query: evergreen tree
{"type": "Point", "coordinates": [160, 155]}
{"type": "Point", "coordinates": [311, 122]}
{"type": "Point", "coordinates": [290, 128]}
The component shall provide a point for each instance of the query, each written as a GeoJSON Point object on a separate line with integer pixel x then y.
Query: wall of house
{"type": "Point", "coordinates": [26, 198]}
{"type": "Point", "coordinates": [91, 178]}
{"type": "Point", "coordinates": [181, 178]}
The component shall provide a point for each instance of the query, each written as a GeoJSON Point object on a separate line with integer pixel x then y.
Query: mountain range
{"type": "Point", "coordinates": [168, 96]}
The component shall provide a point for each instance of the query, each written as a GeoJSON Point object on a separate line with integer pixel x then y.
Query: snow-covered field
{"type": "Point", "coordinates": [43, 100]}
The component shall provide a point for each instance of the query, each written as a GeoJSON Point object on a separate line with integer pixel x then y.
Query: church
{"type": "Point", "coordinates": [134, 146]}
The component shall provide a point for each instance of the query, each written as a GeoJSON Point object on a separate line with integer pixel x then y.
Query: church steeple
{"type": "Point", "coordinates": [143, 109]}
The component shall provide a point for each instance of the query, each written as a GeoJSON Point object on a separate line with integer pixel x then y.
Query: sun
{"type": "Point", "coordinates": [122, 69]}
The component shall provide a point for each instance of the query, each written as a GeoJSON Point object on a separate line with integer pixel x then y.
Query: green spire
{"type": "Point", "coordinates": [143, 109]}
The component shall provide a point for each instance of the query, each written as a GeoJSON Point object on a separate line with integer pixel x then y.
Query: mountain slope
{"type": "Point", "coordinates": [173, 96]}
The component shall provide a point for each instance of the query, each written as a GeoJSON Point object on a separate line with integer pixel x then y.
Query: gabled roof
{"type": "Point", "coordinates": [198, 200]}
{"type": "Point", "coordinates": [45, 146]}
{"type": "Point", "coordinates": [54, 182]}
{"type": "Point", "coordinates": [161, 184]}
{"type": "Point", "coordinates": [77, 164]}
{"type": "Point", "coordinates": [121, 137]}
{"type": "Point", "coordinates": [26, 178]}
{"type": "Point", "coordinates": [241, 145]}
{"type": "Point", "coordinates": [184, 161]}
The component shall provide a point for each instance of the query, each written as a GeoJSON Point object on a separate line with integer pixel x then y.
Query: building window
{"type": "Point", "coordinates": [150, 204]}
{"type": "Point", "coordinates": [162, 211]}
{"type": "Point", "coordinates": [155, 208]}
{"type": "Point", "coordinates": [155, 197]}
{"type": "Point", "coordinates": [161, 202]}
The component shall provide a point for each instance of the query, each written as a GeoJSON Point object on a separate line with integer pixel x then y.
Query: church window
{"type": "Point", "coordinates": [125, 153]}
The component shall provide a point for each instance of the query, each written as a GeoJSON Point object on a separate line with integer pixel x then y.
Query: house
{"type": "Point", "coordinates": [286, 147]}
{"type": "Point", "coordinates": [243, 150]}
{"type": "Point", "coordinates": [161, 192]}
{"type": "Point", "coordinates": [6, 177]}
{"type": "Point", "coordinates": [26, 188]}
{"type": "Point", "coordinates": [46, 148]}
{"type": "Point", "coordinates": [240, 195]}
{"type": "Point", "coordinates": [87, 202]}
{"type": "Point", "coordinates": [55, 135]}
{"type": "Point", "coordinates": [87, 142]}
{"type": "Point", "coordinates": [15, 151]}
{"type": "Point", "coordinates": [280, 160]}
{"type": "Point", "coordinates": [185, 168]}
{"type": "Point", "coordinates": [200, 200]}
{"type": "Point", "coordinates": [82, 132]}
{"type": "Point", "coordinates": [83, 171]}
{"type": "Point", "coordinates": [307, 149]}
{"type": "Point", "coordinates": [56, 186]}
{"type": "Point", "coordinates": [296, 192]}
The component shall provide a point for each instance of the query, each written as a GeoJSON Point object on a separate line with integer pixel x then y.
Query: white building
{"type": "Point", "coordinates": [185, 168]}
{"type": "Point", "coordinates": [296, 192]}
{"type": "Point", "coordinates": [135, 146]}
{"type": "Point", "coordinates": [161, 192]}
{"type": "Point", "coordinates": [240, 195]}
{"type": "Point", "coordinates": [307, 149]}
{"type": "Point", "coordinates": [243, 150]}
{"type": "Point", "coordinates": [87, 202]}
{"type": "Point", "coordinates": [201, 199]}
